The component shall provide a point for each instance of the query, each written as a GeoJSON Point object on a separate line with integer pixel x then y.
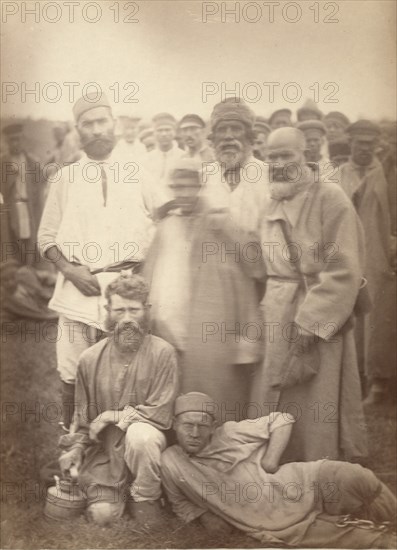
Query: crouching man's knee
{"type": "Point", "coordinates": [105, 513]}
{"type": "Point", "coordinates": [142, 438]}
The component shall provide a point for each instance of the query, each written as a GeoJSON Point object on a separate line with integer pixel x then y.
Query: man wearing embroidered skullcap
{"type": "Point", "coordinates": [362, 178]}
{"type": "Point", "coordinates": [220, 476]}
{"type": "Point", "coordinates": [261, 131]}
{"type": "Point", "coordinates": [336, 124]}
{"type": "Point", "coordinates": [309, 111]}
{"type": "Point", "coordinates": [306, 291]}
{"type": "Point", "coordinates": [314, 131]}
{"type": "Point", "coordinates": [280, 119]}
{"type": "Point", "coordinates": [205, 288]}
{"type": "Point", "coordinates": [22, 193]}
{"type": "Point", "coordinates": [79, 233]}
{"type": "Point", "coordinates": [158, 162]}
{"type": "Point", "coordinates": [193, 132]}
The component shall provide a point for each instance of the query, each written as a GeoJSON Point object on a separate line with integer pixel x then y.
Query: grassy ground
{"type": "Point", "coordinates": [30, 407]}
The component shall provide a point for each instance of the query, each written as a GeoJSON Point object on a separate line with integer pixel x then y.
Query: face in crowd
{"type": "Point", "coordinates": [280, 120]}
{"type": "Point", "coordinates": [335, 130]}
{"type": "Point", "coordinates": [260, 145]}
{"type": "Point", "coordinates": [314, 143]}
{"type": "Point", "coordinates": [192, 137]}
{"type": "Point", "coordinates": [164, 135]}
{"type": "Point", "coordinates": [232, 142]}
{"type": "Point", "coordinates": [363, 148]}
{"type": "Point", "coordinates": [96, 130]}
{"type": "Point", "coordinates": [130, 131]}
{"type": "Point", "coordinates": [286, 154]}
{"type": "Point", "coordinates": [185, 189]}
{"type": "Point", "coordinates": [128, 320]}
{"type": "Point", "coordinates": [194, 431]}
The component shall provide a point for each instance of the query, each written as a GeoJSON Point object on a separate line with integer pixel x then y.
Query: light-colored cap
{"type": "Point", "coordinates": [195, 402]}
{"type": "Point", "coordinates": [88, 102]}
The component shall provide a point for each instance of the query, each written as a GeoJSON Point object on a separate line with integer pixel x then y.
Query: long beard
{"type": "Point", "coordinates": [127, 336]}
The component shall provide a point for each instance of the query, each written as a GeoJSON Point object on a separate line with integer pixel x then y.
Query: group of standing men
{"type": "Point", "coordinates": [249, 283]}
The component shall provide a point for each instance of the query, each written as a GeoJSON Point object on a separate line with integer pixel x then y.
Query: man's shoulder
{"type": "Point", "coordinates": [159, 345]}
{"type": "Point", "coordinates": [331, 193]}
{"type": "Point", "coordinates": [91, 354]}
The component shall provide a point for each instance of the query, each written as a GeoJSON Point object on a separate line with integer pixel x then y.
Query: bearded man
{"type": "Point", "coordinates": [98, 215]}
{"type": "Point", "coordinates": [125, 389]}
{"type": "Point", "coordinates": [313, 253]}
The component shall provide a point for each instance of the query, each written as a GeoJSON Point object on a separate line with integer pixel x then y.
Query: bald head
{"type": "Point", "coordinates": [287, 138]}
{"type": "Point", "coordinates": [286, 153]}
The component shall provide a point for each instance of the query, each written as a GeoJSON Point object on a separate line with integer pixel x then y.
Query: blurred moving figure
{"type": "Point", "coordinates": [203, 300]}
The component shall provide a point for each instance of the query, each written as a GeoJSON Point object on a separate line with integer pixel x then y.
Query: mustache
{"type": "Point", "coordinates": [230, 144]}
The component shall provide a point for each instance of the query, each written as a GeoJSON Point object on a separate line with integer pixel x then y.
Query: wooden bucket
{"type": "Point", "coordinates": [64, 501]}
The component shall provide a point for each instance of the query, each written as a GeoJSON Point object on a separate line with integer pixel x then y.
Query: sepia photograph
{"type": "Point", "coordinates": [198, 210]}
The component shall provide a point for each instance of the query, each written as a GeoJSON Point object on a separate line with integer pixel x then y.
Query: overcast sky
{"type": "Point", "coordinates": [166, 58]}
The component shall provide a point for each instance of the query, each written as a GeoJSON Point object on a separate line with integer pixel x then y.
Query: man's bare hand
{"type": "Point", "coordinates": [83, 280]}
{"type": "Point", "coordinates": [99, 423]}
{"type": "Point", "coordinates": [74, 457]}
{"type": "Point", "coordinates": [303, 344]}
{"type": "Point", "coordinates": [215, 525]}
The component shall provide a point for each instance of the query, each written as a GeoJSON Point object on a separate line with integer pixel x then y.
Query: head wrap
{"type": "Point", "coordinates": [232, 108]}
{"type": "Point", "coordinates": [195, 402]}
{"type": "Point", "coordinates": [88, 102]}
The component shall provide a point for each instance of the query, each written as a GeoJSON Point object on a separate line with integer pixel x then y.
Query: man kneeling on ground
{"type": "Point", "coordinates": [230, 476]}
{"type": "Point", "coordinates": [125, 391]}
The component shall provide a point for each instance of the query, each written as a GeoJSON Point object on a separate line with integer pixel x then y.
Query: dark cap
{"type": "Point", "coordinates": [363, 127]}
{"type": "Point", "coordinates": [314, 124]}
{"type": "Point", "coordinates": [338, 117]}
{"type": "Point", "coordinates": [279, 112]}
{"type": "Point", "coordinates": [191, 120]}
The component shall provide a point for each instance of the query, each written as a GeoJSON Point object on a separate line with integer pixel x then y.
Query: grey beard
{"type": "Point", "coordinates": [280, 190]}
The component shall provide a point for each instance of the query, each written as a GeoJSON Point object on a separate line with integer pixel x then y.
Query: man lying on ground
{"type": "Point", "coordinates": [125, 391]}
{"type": "Point", "coordinates": [230, 476]}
